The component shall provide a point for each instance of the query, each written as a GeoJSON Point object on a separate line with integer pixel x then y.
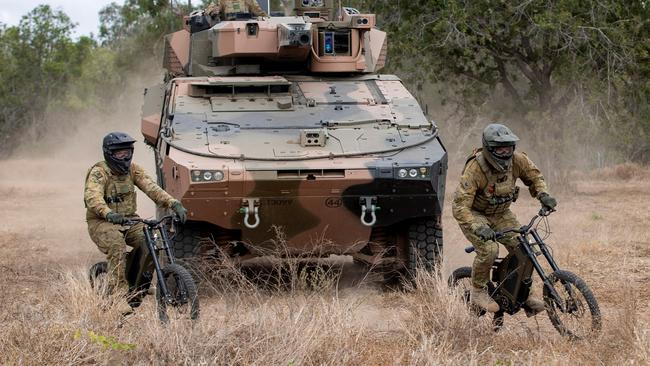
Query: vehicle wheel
{"type": "Point", "coordinates": [461, 281]}
{"type": "Point", "coordinates": [187, 241]}
{"type": "Point", "coordinates": [98, 277]}
{"type": "Point", "coordinates": [581, 316]}
{"type": "Point", "coordinates": [425, 245]}
{"type": "Point", "coordinates": [182, 293]}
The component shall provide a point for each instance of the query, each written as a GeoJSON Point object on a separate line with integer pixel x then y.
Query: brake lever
{"type": "Point", "coordinates": [545, 211]}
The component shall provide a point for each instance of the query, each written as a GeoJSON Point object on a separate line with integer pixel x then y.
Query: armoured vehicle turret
{"type": "Point", "coordinates": [279, 131]}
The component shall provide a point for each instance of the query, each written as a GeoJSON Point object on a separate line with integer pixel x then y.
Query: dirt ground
{"type": "Point", "coordinates": [48, 314]}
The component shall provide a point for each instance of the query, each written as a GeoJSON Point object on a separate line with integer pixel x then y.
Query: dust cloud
{"type": "Point", "coordinates": [41, 185]}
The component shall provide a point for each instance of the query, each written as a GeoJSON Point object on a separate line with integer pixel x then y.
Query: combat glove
{"type": "Point", "coordinates": [485, 232]}
{"type": "Point", "coordinates": [180, 211]}
{"type": "Point", "coordinates": [547, 201]}
{"type": "Point", "coordinates": [115, 218]}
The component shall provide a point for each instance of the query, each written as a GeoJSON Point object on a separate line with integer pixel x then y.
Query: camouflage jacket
{"type": "Point", "coordinates": [105, 192]}
{"type": "Point", "coordinates": [489, 192]}
{"type": "Point", "coordinates": [226, 7]}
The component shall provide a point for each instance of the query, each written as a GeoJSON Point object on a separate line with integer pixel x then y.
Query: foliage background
{"type": "Point", "coordinates": [571, 76]}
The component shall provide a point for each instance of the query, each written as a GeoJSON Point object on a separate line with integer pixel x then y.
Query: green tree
{"type": "Point", "coordinates": [540, 62]}
{"type": "Point", "coordinates": [39, 59]}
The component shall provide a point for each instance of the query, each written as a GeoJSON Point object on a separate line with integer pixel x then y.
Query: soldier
{"type": "Point", "coordinates": [230, 9]}
{"type": "Point", "coordinates": [110, 200]}
{"type": "Point", "coordinates": [482, 205]}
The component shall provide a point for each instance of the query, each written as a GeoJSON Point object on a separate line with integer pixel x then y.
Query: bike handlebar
{"type": "Point", "coordinates": [152, 223]}
{"type": "Point", "coordinates": [543, 212]}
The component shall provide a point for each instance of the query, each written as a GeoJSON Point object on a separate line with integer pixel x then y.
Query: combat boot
{"type": "Point", "coordinates": [480, 298]}
{"type": "Point", "coordinates": [534, 306]}
{"type": "Point", "coordinates": [123, 307]}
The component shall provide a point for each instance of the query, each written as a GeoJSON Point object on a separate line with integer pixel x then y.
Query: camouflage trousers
{"type": "Point", "coordinates": [112, 239]}
{"type": "Point", "coordinates": [488, 250]}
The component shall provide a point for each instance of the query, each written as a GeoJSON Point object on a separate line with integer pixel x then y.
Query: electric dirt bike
{"type": "Point", "coordinates": [570, 304]}
{"type": "Point", "coordinates": [175, 286]}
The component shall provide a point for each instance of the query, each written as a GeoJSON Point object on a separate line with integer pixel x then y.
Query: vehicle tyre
{"type": "Point", "coordinates": [98, 277]}
{"type": "Point", "coordinates": [187, 241]}
{"type": "Point", "coordinates": [583, 316]}
{"type": "Point", "coordinates": [182, 291]}
{"type": "Point", "coordinates": [425, 245]}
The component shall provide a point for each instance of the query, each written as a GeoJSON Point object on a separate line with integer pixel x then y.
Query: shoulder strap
{"type": "Point", "coordinates": [485, 167]}
{"type": "Point", "coordinates": [469, 159]}
{"type": "Point", "coordinates": [101, 164]}
{"type": "Point", "coordinates": [490, 174]}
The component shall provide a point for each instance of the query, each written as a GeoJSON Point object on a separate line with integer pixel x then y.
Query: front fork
{"type": "Point", "coordinates": [547, 283]}
{"type": "Point", "coordinates": [153, 250]}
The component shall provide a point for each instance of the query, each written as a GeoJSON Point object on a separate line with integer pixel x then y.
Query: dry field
{"type": "Point", "coordinates": [49, 315]}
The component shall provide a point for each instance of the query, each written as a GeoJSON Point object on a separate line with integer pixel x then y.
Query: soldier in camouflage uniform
{"type": "Point", "coordinates": [230, 9]}
{"type": "Point", "coordinates": [482, 201]}
{"type": "Point", "coordinates": [110, 200]}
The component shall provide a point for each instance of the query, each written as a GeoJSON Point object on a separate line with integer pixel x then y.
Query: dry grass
{"type": "Point", "coordinates": [625, 172]}
{"type": "Point", "coordinates": [307, 315]}
{"type": "Point", "coordinates": [276, 327]}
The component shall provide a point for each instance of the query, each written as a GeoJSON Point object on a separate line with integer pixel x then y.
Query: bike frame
{"type": "Point", "coordinates": [512, 274]}
{"type": "Point", "coordinates": [145, 259]}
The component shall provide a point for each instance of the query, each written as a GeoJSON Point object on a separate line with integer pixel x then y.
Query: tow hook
{"type": "Point", "coordinates": [251, 207]}
{"type": "Point", "coordinates": [368, 206]}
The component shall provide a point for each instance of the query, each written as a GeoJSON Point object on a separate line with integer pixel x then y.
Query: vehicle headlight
{"type": "Point", "coordinates": [207, 175]}
{"type": "Point", "coordinates": [402, 173]}
{"type": "Point", "coordinates": [413, 173]}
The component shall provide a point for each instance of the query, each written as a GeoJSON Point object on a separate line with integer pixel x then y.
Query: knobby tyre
{"type": "Point", "coordinates": [186, 241]}
{"type": "Point", "coordinates": [582, 317]}
{"type": "Point", "coordinates": [425, 245]}
{"type": "Point", "coordinates": [461, 279]}
{"type": "Point", "coordinates": [182, 290]}
{"type": "Point", "coordinates": [98, 277]}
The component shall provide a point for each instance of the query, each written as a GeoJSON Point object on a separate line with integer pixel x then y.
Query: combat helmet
{"type": "Point", "coordinates": [113, 142]}
{"type": "Point", "coordinates": [497, 135]}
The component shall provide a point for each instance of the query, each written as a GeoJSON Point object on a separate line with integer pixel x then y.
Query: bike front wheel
{"type": "Point", "coordinates": [575, 313]}
{"type": "Point", "coordinates": [181, 294]}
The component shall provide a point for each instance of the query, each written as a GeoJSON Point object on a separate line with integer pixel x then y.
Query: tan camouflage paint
{"type": "Point", "coordinates": [229, 39]}
{"type": "Point", "coordinates": [219, 202]}
{"type": "Point", "coordinates": [378, 120]}
{"type": "Point", "coordinates": [227, 7]}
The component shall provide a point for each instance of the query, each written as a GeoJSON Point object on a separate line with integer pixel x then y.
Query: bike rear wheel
{"type": "Point", "coordinates": [461, 281]}
{"type": "Point", "coordinates": [579, 317]}
{"type": "Point", "coordinates": [98, 277]}
{"type": "Point", "coordinates": [182, 294]}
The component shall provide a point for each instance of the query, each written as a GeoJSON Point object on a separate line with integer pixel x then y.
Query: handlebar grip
{"type": "Point", "coordinates": [469, 249]}
{"type": "Point", "coordinates": [545, 211]}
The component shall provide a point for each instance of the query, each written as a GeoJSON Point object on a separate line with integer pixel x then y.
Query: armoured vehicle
{"type": "Point", "coordinates": [278, 135]}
